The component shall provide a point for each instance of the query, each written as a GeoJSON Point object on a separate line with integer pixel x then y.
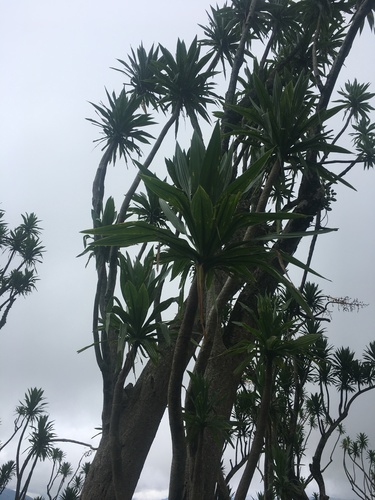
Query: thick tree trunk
{"type": "Point", "coordinates": [98, 484]}
{"type": "Point", "coordinates": [143, 408]}
{"type": "Point", "coordinates": [144, 405]}
{"type": "Point", "coordinates": [203, 468]}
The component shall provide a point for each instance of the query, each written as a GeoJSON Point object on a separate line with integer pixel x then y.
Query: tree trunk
{"type": "Point", "coordinates": [143, 408]}
{"type": "Point", "coordinates": [261, 425]}
{"type": "Point", "coordinates": [144, 404]}
{"type": "Point", "coordinates": [203, 469]}
{"type": "Point", "coordinates": [222, 367]}
{"type": "Point", "coordinates": [180, 361]}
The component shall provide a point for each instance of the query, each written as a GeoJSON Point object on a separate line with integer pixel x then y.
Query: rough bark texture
{"type": "Point", "coordinates": [176, 423]}
{"type": "Point", "coordinates": [144, 406]}
{"type": "Point", "coordinates": [145, 403]}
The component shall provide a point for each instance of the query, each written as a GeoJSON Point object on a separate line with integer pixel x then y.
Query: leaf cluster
{"type": "Point", "coordinates": [137, 317]}
{"type": "Point", "coordinates": [121, 125]}
{"type": "Point", "coordinates": [22, 251]}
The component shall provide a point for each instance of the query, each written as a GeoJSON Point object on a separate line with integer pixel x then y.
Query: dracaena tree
{"type": "Point", "coordinates": [21, 251]}
{"type": "Point", "coordinates": [36, 438]}
{"type": "Point", "coordinates": [359, 461]}
{"type": "Point", "coordinates": [223, 222]}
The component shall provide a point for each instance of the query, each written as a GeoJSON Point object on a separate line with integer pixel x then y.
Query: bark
{"type": "Point", "coordinates": [99, 182]}
{"type": "Point", "coordinates": [142, 410]}
{"type": "Point", "coordinates": [144, 405]}
{"type": "Point", "coordinates": [180, 360]}
{"type": "Point", "coordinates": [261, 425]}
{"type": "Point", "coordinates": [141, 413]}
{"type": "Point", "coordinates": [203, 469]}
{"type": "Point", "coordinates": [119, 480]}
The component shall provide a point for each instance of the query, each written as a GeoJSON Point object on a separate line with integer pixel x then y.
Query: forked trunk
{"type": "Point", "coordinates": [143, 408]}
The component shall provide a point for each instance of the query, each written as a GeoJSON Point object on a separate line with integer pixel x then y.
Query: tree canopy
{"type": "Point", "coordinates": [21, 252]}
{"type": "Point", "coordinates": [237, 353]}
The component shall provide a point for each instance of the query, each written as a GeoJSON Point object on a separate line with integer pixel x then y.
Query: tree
{"type": "Point", "coordinates": [33, 426]}
{"type": "Point", "coordinates": [226, 219]}
{"type": "Point", "coordinates": [359, 463]}
{"type": "Point", "coordinates": [23, 250]}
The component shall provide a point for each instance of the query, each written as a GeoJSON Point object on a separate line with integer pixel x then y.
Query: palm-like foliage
{"type": "Point", "coordinates": [208, 218]}
{"type": "Point", "coordinates": [56, 456]}
{"type": "Point", "coordinates": [121, 125]}
{"type": "Point", "coordinates": [23, 248]}
{"type": "Point", "coordinates": [283, 26]}
{"type": "Point", "coordinates": [69, 494]}
{"type": "Point", "coordinates": [221, 214]}
{"type": "Point", "coordinates": [33, 405]}
{"type": "Point", "coordinates": [222, 34]}
{"type": "Point", "coordinates": [272, 335]}
{"type": "Point", "coordinates": [369, 355]}
{"type": "Point", "coordinates": [356, 99]}
{"type": "Point", "coordinates": [65, 470]}
{"type": "Point", "coordinates": [34, 426]}
{"type": "Point", "coordinates": [7, 471]}
{"type": "Point", "coordinates": [183, 83]}
{"type": "Point", "coordinates": [27, 411]}
{"type": "Point", "coordinates": [141, 71]}
{"type": "Point", "coordinates": [364, 141]}
{"type": "Point", "coordinates": [138, 323]}
{"type": "Point", "coordinates": [343, 368]}
{"type": "Point", "coordinates": [284, 119]}
{"type": "Point", "coordinates": [41, 438]}
{"type": "Point", "coordinates": [147, 208]}
{"type": "Point", "coordinates": [40, 448]}
{"type": "Point", "coordinates": [359, 465]}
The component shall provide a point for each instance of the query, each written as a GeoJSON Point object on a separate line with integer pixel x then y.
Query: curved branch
{"type": "Point", "coordinates": [364, 9]}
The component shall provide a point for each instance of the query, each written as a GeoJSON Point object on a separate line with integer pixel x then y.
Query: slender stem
{"type": "Point", "coordinates": [362, 11]}
{"type": "Point", "coordinates": [98, 184]}
{"type": "Point", "coordinates": [311, 251]}
{"type": "Point", "coordinates": [146, 164]}
{"type": "Point", "coordinates": [180, 358]}
{"type": "Point", "coordinates": [261, 425]}
{"type": "Point", "coordinates": [318, 80]}
{"type": "Point", "coordinates": [236, 67]}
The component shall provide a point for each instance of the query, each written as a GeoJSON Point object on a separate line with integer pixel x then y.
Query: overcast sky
{"type": "Point", "coordinates": [54, 58]}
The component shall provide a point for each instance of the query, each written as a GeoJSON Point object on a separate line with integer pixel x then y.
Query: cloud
{"type": "Point", "coordinates": [151, 495]}
{"type": "Point", "coordinates": [57, 59]}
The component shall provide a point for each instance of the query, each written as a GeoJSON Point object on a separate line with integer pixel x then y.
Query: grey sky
{"type": "Point", "coordinates": [54, 58]}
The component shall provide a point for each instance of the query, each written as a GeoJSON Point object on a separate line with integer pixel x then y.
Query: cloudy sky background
{"type": "Point", "coordinates": [54, 58]}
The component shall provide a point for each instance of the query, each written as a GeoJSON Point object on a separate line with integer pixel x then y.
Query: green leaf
{"type": "Point", "coordinates": [121, 343]}
{"type": "Point", "coordinates": [304, 341]}
{"type": "Point", "coordinates": [174, 196]}
{"type": "Point", "coordinates": [202, 212]}
{"type": "Point", "coordinates": [158, 309]}
{"type": "Point", "coordinates": [172, 217]}
{"type": "Point", "coordinates": [301, 234]}
{"type": "Point", "coordinates": [138, 304]}
{"type": "Point", "coordinates": [245, 181]}
{"type": "Point", "coordinates": [179, 169]}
